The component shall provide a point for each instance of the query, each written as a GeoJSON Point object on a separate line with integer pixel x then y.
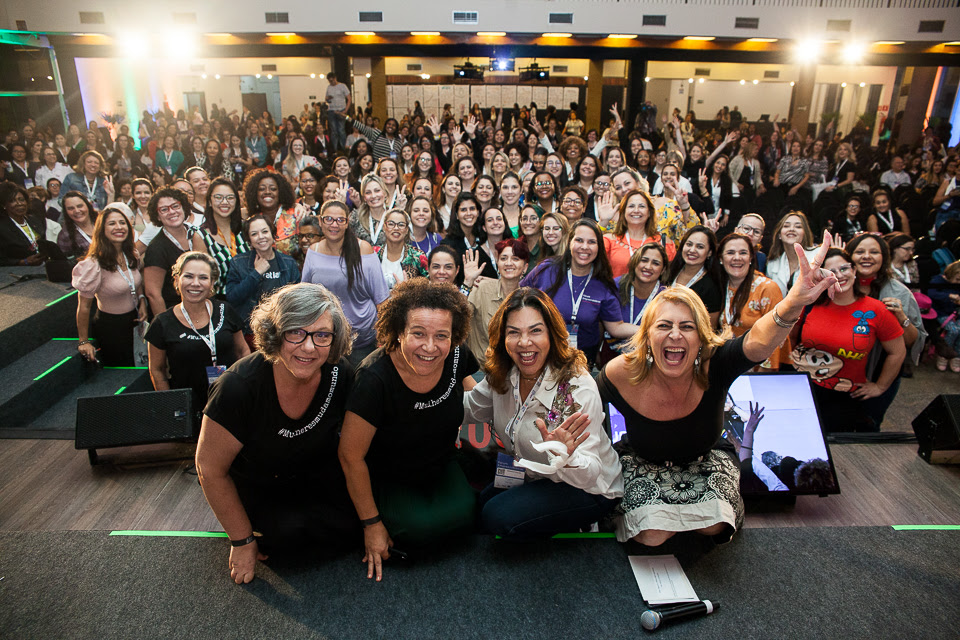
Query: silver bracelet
{"type": "Point", "coordinates": [781, 322]}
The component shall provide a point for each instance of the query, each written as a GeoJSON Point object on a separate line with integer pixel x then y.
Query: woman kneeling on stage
{"type": "Point", "coordinates": [267, 456]}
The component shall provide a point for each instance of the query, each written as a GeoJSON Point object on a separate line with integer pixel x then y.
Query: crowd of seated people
{"type": "Point", "coordinates": [511, 267]}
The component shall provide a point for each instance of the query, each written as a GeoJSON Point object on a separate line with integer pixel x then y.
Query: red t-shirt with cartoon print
{"type": "Point", "coordinates": [835, 341]}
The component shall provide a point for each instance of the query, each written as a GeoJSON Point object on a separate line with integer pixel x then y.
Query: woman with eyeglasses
{"type": "Point", "coordinates": [752, 225]}
{"type": "Point", "coordinates": [831, 344]}
{"type": "Point", "coordinates": [167, 208]}
{"type": "Point", "coordinates": [902, 264]}
{"type": "Point", "coordinates": [258, 273]}
{"type": "Point", "coordinates": [263, 470]}
{"type": "Point", "coordinates": [573, 202]}
{"type": "Point", "coordinates": [312, 186]}
{"type": "Point", "coordinates": [853, 219]}
{"type": "Point", "coordinates": [399, 259]}
{"type": "Point", "coordinates": [543, 191]}
{"type": "Point", "coordinates": [581, 285]}
{"type": "Point", "coordinates": [425, 167]}
{"type": "Point", "coordinates": [193, 342]}
{"type": "Point", "coordinates": [748, 294]}
{"type": "Point", "coordinates": [351, 270]}
{"type": "Point", "coordinates": [222, 227]}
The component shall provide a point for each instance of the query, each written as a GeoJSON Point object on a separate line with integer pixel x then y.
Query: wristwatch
{"type": "Point", "coordinates": [242, 543]}
{"type": "Point", "coordinates": [906, 322]}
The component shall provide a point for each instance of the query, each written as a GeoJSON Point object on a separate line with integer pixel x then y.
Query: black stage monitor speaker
{"type": "Point", "coordinates": [134, 418]}
{"type": "Point", "coordinates": [938, 430]}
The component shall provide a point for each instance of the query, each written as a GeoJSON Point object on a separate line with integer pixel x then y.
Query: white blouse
{"type": "Point", "coordinates": [594, 466]}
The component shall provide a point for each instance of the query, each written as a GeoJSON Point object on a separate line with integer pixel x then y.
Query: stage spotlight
{"type": "Point", "coordinates": [808, 51]}
{"type": "Point", "coordinates": [180, 44]}
{"type": "Point", "coordinates": [853, 53]}
{"type": "Point", "coordinates": [534, 73]}
{"type": "Point", "coordinates": [425, 76]}
{"type": "Point", "coordinates": [468, 71]}
{"type": "Point", "coordinates": [134, 45]}
{"type": "Point", "coordinates": [502, 64]}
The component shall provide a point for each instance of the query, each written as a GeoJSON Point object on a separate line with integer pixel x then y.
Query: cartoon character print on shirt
{"type": "Point", "coordinates": [861, 332]}
{"type": "Point", "coordinates": [822, 367]}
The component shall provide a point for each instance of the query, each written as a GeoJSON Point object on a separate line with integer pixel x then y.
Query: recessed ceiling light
{"type": "Point", "coordinates": [491, 34]}
{"type": "Point", "coordinates": [424, 33]}
{"type": "Point", "coordinates": [368, 75]}
{"type": "Point", "coordinates": [359, 33]}
{"type": "Point", "coordinates": [647, 79]}
{"type": "Point", "coordinates": [889, 43]}
{"type": "Point", "coordinates": [280, 35]}
{"type": "Point", "coordinates": [863, 84]}
{"type": "Point", "coordinates": [700, 38]}
{"type": "Point", "coordinates": [756, 82]}
{"type": "Point", "coordinates": [762, 39]}
{"type": "Point", "coordinates": [743, 82]}
{"type": "Point", "coordinates": [269, 76]}
{"type": "Point", "coordinates": [955, 43]}
{"type": "Point", "coordinates": [217, 76]}
{"type": "Point", "coordinates": [622, 36]}
{"type": "Point", "coordinates": [557, 35]}
{"type": "Point", "coordinates": [313, 75]}
{"type": "Point", "coordinates": [843, 84]}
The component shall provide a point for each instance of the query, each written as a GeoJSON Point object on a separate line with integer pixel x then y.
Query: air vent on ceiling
{"type": "Point", "coordinates": [415, 67]}
{"type": "Point", "coordinates": [561, 18]}
{"type": "Point", "coordinates": [371, 16]}
{"type": "Point", "coordinates": [561, 68]}
{"type": "Point", "coordinates": [771, 74]}
{"type": "Point", "coordinates": [701, 72]}
{"type": "Point", "coordinates": [268, 67]}
{"type": "Point", "coordinates": [277, 17]}
{"type": "Point", "coordinates": [184, 18]}
{"type": "Point", "coordinates": [91, 17]}
{"type": "Point", "coordinates": [466, 17]}
{"type": "Point", "coordinates": [21, 25]}
{"type": "Point", "coordinates": [931, 26]}
{"type": "Point", "coordinates": [655, 21]}
{"type": "Point", "coordinates": [838, 25]}
{"type": "Point", "coordinates": [198, 67]}
{"type": "Point", "coordinates": [747, 23]}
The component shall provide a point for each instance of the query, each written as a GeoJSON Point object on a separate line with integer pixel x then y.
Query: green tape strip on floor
{"type": "Point", "coordinates": [67, 359]}
{"type": "Point", "coordinates": [586, 534]}
{"type": "Point", "coordinates": [926, 527]}
{"type": "Point", "coordinates": [49, 304]}
{"type": "Point", "coordinates": [171, 534]}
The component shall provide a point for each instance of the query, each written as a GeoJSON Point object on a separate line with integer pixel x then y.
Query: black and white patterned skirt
{"type": "Point", "coordinates": [679, 497]}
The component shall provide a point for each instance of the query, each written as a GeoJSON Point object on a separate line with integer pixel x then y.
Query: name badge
{"type": "Point", "coordinates": [509, 473]}
{"type": "Point", "coordinates": [238, 168]}
{"type": "Point", "coordinates": [214, 372]}
{"type": "Point", "coordinates": [27, 183]}
{"type": "Point", "coordinates": [572, 338]}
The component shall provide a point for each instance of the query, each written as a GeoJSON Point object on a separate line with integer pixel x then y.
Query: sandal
{"type": "Point", "coordinates": [955, 365]}
{"type": "Point", "coordinates": [941, 363]}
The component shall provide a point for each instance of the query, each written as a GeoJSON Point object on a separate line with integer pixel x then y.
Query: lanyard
{"type": "Point", "coordinates": [393, 200]}
{"type": "Point", "coordinates": [888, 222]}
{"type": "Point", "coordinates": [727, 310]}
{"type": "Point", "coordinates": [629, 243]}
{"type": "Point", "coordinates": [379, 227]}
{"type": "Point", "coordinates": [210, 339]}
{"type": "Point", "coordinates": [905, 273]}
{"type": "Point", "coordinates": [27, 230]}
{"type": "Point", "coordinates": [694, 279]}
{"type": "Point", "coordinates": [576, 303]}
{"type": "Point", "coordinates": [511, 427]}
{"type": "Point", "coordinates": [127, 276]}
{"type": "Point", "coordinates": [653, 294]}
{"type": "Point", "coordinates": [176, 243]}
{"type": "Point", "coordinates": [85, 236]}
{"type": "Point", "coordinates": [493, 260]}
{"type": "Point", "coordinates": [91, 191]}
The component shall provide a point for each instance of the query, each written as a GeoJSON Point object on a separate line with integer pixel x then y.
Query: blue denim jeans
{"type": "Point", "coordinates": [539, 509]}
{"type": "Point", "coordinates": [338, 130]}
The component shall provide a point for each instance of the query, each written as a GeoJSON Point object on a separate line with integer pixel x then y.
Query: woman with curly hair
{"type": "Point", "coordinates": [269, 194]}
{"type": "Point", "coordinates": [544, 406]}
{"type": "Point", "coordinates": [409, 393]}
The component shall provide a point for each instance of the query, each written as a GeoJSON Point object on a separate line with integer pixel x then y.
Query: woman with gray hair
{"type": "Point", "coordinates": [267, 456]}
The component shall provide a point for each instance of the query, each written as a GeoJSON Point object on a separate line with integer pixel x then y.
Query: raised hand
{"type": "Point", "coordinates": [354, 196]}
{"type": "Point", "coordinates": [838, 241]}
{"type": "Point", "coordinates": [536, 125]}
{"type": "Point", "coordinates": [712, 223]}
{"type": "Point", "coordinates": [702, 180]}
{"type": "Point", "coordinates": [571, 433]}
{"type": "Point", "coordinates": [471, 126]}
{"type": "Point", "coordinates": [108, 187]}
{"type": "Point", "coordinates": [732, 137]}
{"type": "Point", "coordinates": [812, 280]}
{"type": "Point", "coordinates": [434, 125]}
{"type": "Point", "coordinates": [472, 267]}
{"type": "Point", "coordinates": [756, 415]}
{"type": "Point", "coordinates": [607, 208]}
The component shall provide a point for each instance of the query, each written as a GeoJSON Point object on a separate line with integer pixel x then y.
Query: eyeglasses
{"type": "Point", "coordinates": [396, 225]}
{"type": "Point", "coordinates": [307, 236]}
{"type": "Point", "coordinates": [308, 181]}
{"type": "Point", "coordinates": [332, 220]}
{"type": "Point", "coordinates": [224, 198]}
{"type": "Point", "coordinates": [543, 183]}
{"type": "Point", "coordinates": [601, 185]}
{"type": "Point", "coordinates": [845, 269]}
{"type": "Point", "coordinates": [575, 202]}
{"type": "Point", "coordinates": [299, 336]}
{"type": "Point", "coordinates": [176, 206]}
{"type": "Point", "coordinates": [749, 231]}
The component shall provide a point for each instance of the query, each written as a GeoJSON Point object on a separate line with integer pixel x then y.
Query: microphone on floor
{"type": "Point", "coordinates": [651, 620]}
